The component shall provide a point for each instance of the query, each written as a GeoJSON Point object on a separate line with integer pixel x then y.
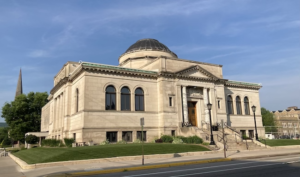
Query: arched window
{"type": "Point", "coordinates": [139, 99]}
{"type": "Point", "coordinates": [77, 99]}
{"type": "Point", "coordinates": [238, 105]}
{"type": "Point", "coordinates": [110, 98]}
{"type": "Point", "coordinates": [246, 105]}
{"type": "Point", "coordinates": [125, 99]}
{"type": "Point", "coordinates": [230, 105]}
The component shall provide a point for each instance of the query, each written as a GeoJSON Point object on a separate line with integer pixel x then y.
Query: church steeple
{"type": "Point", "coordinates": [19, 90]}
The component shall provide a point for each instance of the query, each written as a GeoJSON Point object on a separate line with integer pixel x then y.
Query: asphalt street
{"type": "Point", "coordinates": [286, 166]}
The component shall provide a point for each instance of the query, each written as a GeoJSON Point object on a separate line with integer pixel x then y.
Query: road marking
{"type": "Point", "coordinates": [226, 170]}
{"type": "Point", "coordinates": [207, 167]}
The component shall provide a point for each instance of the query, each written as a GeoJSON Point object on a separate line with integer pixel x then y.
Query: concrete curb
{"type": "Point", "coordinates": [147, 167]}
{"type": "Point", "coordinates": [261, 156]}
{"type": "Point", "coordinates": [24, 165]}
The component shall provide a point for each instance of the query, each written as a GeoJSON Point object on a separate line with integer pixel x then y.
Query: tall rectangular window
{"type": "Point", "coordinates": [74, 136]}
{"type": "Point", "coordinates": [127, 136]}
{"type": "Point", "coordinates": [170, 101]}
{"type": "Point", "coordinates": [139, 135]}
{"type": "Point", "coordinates": [125, 99]}
{"type": "Point", "coordinates": [112, 136]}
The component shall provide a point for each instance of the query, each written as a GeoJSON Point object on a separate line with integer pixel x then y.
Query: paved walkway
{"type": "Point", "coordinates": [9, 168]}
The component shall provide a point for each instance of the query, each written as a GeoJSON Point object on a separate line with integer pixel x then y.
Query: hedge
{"type": "Point", "coordinates": [69, 141]}
{"type": "Point", "coordinates": [52, 142]}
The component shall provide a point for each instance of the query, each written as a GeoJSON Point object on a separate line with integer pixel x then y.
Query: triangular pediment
{"type": "Point", "coordinates": [196, 71]}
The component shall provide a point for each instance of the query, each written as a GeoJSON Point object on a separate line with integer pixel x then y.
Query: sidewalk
{"type": "Point", "coordinates": [121, 164]}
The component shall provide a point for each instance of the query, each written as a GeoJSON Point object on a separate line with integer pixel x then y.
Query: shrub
{"type": "Point", "coordinates": [177, 141]}
{"type": "Point", "coordinates": [159, 141]}
{"type": "Point", "coordinates": [184, 139]}
{"type": "Point", "coordinates": [166, 138]}
{"type": "Point", "coordinates": [31, 139]}
{"type": "Point", "coordinates": [196, 140]}
{"type": "Point", "coordinates": [205, 143]}
{"type": "Point", "coordinates": [69, 141]}
{"type": "Point", "coordinates": [191, 139]}
{"type": "Point", "coordinates": [51, 142]}
{"type": "Point", "coordinates": [122, 142]}
{"type": "Point", "coordinates": [104, 142]}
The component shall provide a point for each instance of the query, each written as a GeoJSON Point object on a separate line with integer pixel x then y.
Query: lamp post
{"type": "Point", "coordinates": [253, 109]}
{"type": "Point", "coordinates": [212, 142]}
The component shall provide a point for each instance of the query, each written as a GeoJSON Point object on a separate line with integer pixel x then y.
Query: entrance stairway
{"type": "Point", "coordinates": [233, 138]}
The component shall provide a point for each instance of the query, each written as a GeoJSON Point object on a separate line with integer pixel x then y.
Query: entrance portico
{"type": "Point", "coordinates": [194, 102]}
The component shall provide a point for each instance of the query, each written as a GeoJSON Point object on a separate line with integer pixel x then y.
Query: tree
{"type": "Point", "coordinates": [24, 114]}
{"type": "Point", "coordinates": [268, 120]}
{"type": "Point", "coordinates": [4, 139]}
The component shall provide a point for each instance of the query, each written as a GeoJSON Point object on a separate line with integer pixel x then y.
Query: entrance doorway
{"type": "Point", "coordinates": [192, 113]}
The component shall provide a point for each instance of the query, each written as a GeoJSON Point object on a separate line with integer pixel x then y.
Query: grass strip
{"type": "Point", "coordinates": [44, 155]}
{"type": "Point", "coordinates": [282, 142]}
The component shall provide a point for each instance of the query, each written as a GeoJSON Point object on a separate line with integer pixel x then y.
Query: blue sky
{"type": "Point", "coordinates": [255, 41]}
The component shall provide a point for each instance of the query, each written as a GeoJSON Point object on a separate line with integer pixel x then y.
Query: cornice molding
{"type": "Point", "coordinates": [254, 87]}
{"type": "Point", "coordinates": [58, 85]}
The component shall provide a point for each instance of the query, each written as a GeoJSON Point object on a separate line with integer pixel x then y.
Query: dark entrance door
{"type": "Point", "coordinates": [192, 113]}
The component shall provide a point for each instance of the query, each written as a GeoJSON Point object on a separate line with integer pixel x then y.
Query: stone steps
{"type": "Point", "coordinates": [233, 142]}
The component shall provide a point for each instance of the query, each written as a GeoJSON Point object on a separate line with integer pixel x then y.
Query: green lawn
{"type": "Point", "coordinates": [43, 155]}
{"type": "Point", "coordinates": [282, 142]}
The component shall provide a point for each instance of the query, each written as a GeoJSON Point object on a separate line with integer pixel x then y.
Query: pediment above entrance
{"type": "Point", "coordinates": [196, 71]}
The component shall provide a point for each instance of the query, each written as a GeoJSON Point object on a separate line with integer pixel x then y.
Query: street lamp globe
{"type": "Point", "coordinates": [253, 108]}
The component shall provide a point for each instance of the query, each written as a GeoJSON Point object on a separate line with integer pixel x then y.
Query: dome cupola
{"type": "Point", "coordinates": [147, 47]}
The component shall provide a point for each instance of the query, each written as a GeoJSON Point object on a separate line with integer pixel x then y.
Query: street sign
{"type": "Point", "coordinates": [142, 122]}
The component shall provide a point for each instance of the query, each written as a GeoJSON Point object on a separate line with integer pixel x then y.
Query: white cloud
{"type": "Point", "coordinates": [38, 54]}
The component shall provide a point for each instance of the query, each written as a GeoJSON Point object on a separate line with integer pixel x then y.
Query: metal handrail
{"type": "Point", "coordinates": [225, 124]}
{"type": "Point", "coordinates": [220, 139]}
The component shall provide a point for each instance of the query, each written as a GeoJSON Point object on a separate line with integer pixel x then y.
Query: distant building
{"type": "Point", "coordinates": [93, 101]}
{"type": "Point", "coordinates": [288, 120]}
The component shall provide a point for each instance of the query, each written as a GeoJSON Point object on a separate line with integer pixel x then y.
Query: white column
{"type": "Point", "coordinates": [205, 99]}
{"type": "Point", "coordinates": [184, 105]}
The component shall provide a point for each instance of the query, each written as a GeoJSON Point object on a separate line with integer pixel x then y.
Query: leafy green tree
{"type": "Point", "coordinates": [24, 114]}
{"type": "Point", "coordinates": [268, 120]}
{"type": "Point", "coordinates": [4, 139]}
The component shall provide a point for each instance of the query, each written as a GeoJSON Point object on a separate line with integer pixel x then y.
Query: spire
{"type": "Point", "coordinates": [19, 90]}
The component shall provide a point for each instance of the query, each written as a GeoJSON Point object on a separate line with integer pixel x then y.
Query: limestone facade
{"type": "Point", "coordinates": [175, 94]}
